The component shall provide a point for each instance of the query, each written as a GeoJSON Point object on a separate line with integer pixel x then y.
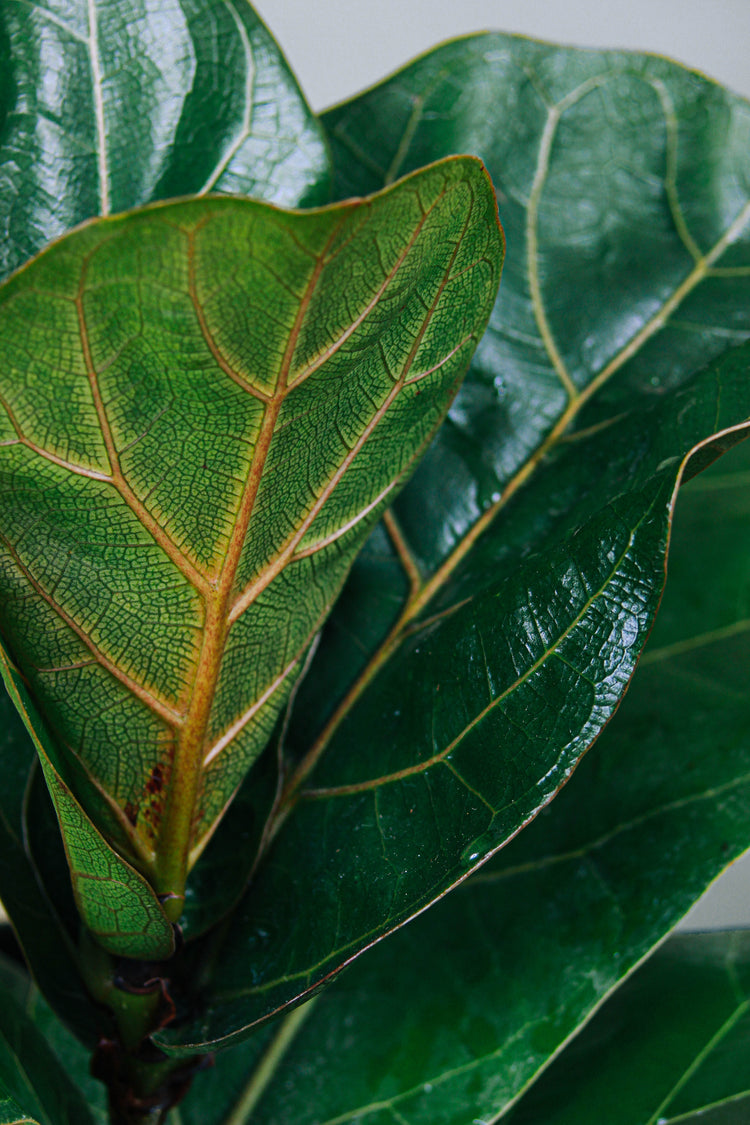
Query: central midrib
{"type": "Point", "coordinates": [177, 825]}
{"type": "Point", "coordinates": [98, 99]}
{"type": "Point", "coordinates": [221, 611]}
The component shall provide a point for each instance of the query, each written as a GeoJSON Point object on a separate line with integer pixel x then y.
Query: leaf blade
{"type": "Point", "coordinates": [456, 96]}
{"type": "Point", "coordinates": [500, 781]}
{"type": "Point", "coordinates": [230, 559]}
{"type": "Point", "coordinates": [68, 1051]}
{"type": "Point", "coordinates": [34, 1087]}
{"type": "Point", "coordinates": [169, 101]}
{"type": "Point", "coordinates": [526, 465]}
{"type": "Point", "coordinates": [430, 1024]}
{"type": "Point", "coordinates": [695, 989]}
{"type": "Point", "coordinates": [115, 902]}
{"type": "Point", "coordinates": [39, 931]}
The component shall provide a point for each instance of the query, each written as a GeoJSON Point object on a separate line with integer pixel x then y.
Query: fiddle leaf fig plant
{"type": "Point", "coordinates": [298, 631]}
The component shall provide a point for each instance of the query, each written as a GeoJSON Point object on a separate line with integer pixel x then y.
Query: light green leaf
{"type": "Point", "coordinates": [115, 902]}
{"type": "Point", "coordinates": [108, 104]}
{"type": "Point", "coordinates": [230, 396]}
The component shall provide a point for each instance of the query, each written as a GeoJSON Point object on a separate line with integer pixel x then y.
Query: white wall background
{"type": "Point", "coordinates": [337, 47]}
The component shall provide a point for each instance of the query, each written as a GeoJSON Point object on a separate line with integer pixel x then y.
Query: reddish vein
{"type": "Point", "coordinates": [177, 825]}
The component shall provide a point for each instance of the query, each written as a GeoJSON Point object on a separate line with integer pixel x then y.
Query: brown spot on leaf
{"type": "Point", "coordinates": [155, 783]}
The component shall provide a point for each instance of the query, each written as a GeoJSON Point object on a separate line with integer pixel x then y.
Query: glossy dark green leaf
{"type": "Point", "coordinates": [673, 1045]}
{"type": "Point", "coordinates": [230, 396]}
{"type": "Point", "coordinates": [433, 1025]}
{"type": "Point", "coordinates": [388, 844]}
{"type": "Point", "coordinates": [531, 540]}
{"type": "Point", "coordinates": [40, 932]}
{"type": "Point", "coordinates": [233, 1085]}
{"type": "Point", "coordinates": [108, 105]}
{"type": "Point", "coordinates": [35, 1086]}
{"type": "Point", "coordinates": [623, 183]}
{"type": "Point", "coordinates": [600, 159]}
{"type": "Point", "coordinates": [70, 1053]}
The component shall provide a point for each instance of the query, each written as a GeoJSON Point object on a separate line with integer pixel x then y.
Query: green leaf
{"type": "Point", "coordinates": [106, 106]}
{"type": "Point", "coordinates": [40, 933]}
{"type": "Point", "coordinates": [235, 1082]}
{"type": "Point", "coordinates": [70, 1053]}
{"type": "Point", "coordinates": [10, 1111]}
{"type": "Point", "coordinates": [673, 1045]}
{"type": "Point", "coordinates": [207, 406]}
{"type": "Point", "coordinates": [34, 1085]}
{"type": "Point", "coordinates": [45, 849]}
{"type": "Point", "coordinates": [623, 182]}
{"type": "Point", "coordinates": [431, 1025]}
{"type": "Point", "coordinates": [114, 900]}
{"type": "Point", "coordinates": [502, 606]}
{"type": "Point", "coordinates": [453, 789]}
{"type": "Point", "coordinates": [221, 875]}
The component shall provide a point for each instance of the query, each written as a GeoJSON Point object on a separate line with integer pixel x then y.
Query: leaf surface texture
{"type": "Point", "coordinates": [494, 619]}
{"type": "Point", "coordinates": [231, 395]}
{"type": "Point", "coordinates": [689, 1006]}
{"type": "Point", "coordinates": [108, 104]}
{"type": "Point", "coordinates": [430, 1026]}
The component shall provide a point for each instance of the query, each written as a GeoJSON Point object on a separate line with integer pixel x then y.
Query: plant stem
{"type": "Point", "coordinates": [142, 1081]}
{"type": "Point", "coordinates": [268, 1064]}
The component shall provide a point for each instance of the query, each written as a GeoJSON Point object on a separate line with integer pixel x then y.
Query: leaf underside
{"type": "Point", "coordinates": [114, 900]}
{"type": "Point", "coordinates": [108, 106]}
{"type": "Point", "coordinates": [492, 622]}
{"type": "Point", "coordinates": [205, 407]}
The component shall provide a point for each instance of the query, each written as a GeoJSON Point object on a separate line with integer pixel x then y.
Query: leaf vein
{"type": "Point", "coordinates": [70, 466]}
{"type": "Point", "coordinates": [247, 112]}
{"type": "Point", "coordinates": [98, 96]}
{"type": "Point", "coordinates": [442, 755]}
{"type": "Point", "coordinates": [210, 342]}
{"type": "Point", "coordinates": [154, 702]}
{"type": "Point", "coordinates": [170, 548]}
{"type": "Point", "coordinates": [246, 598]}
{"type": "Point", "coordinates": [50, 17]}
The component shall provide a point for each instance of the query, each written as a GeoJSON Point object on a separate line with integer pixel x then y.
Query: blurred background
{"type": "Point", "coordinates": [337, 47]}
